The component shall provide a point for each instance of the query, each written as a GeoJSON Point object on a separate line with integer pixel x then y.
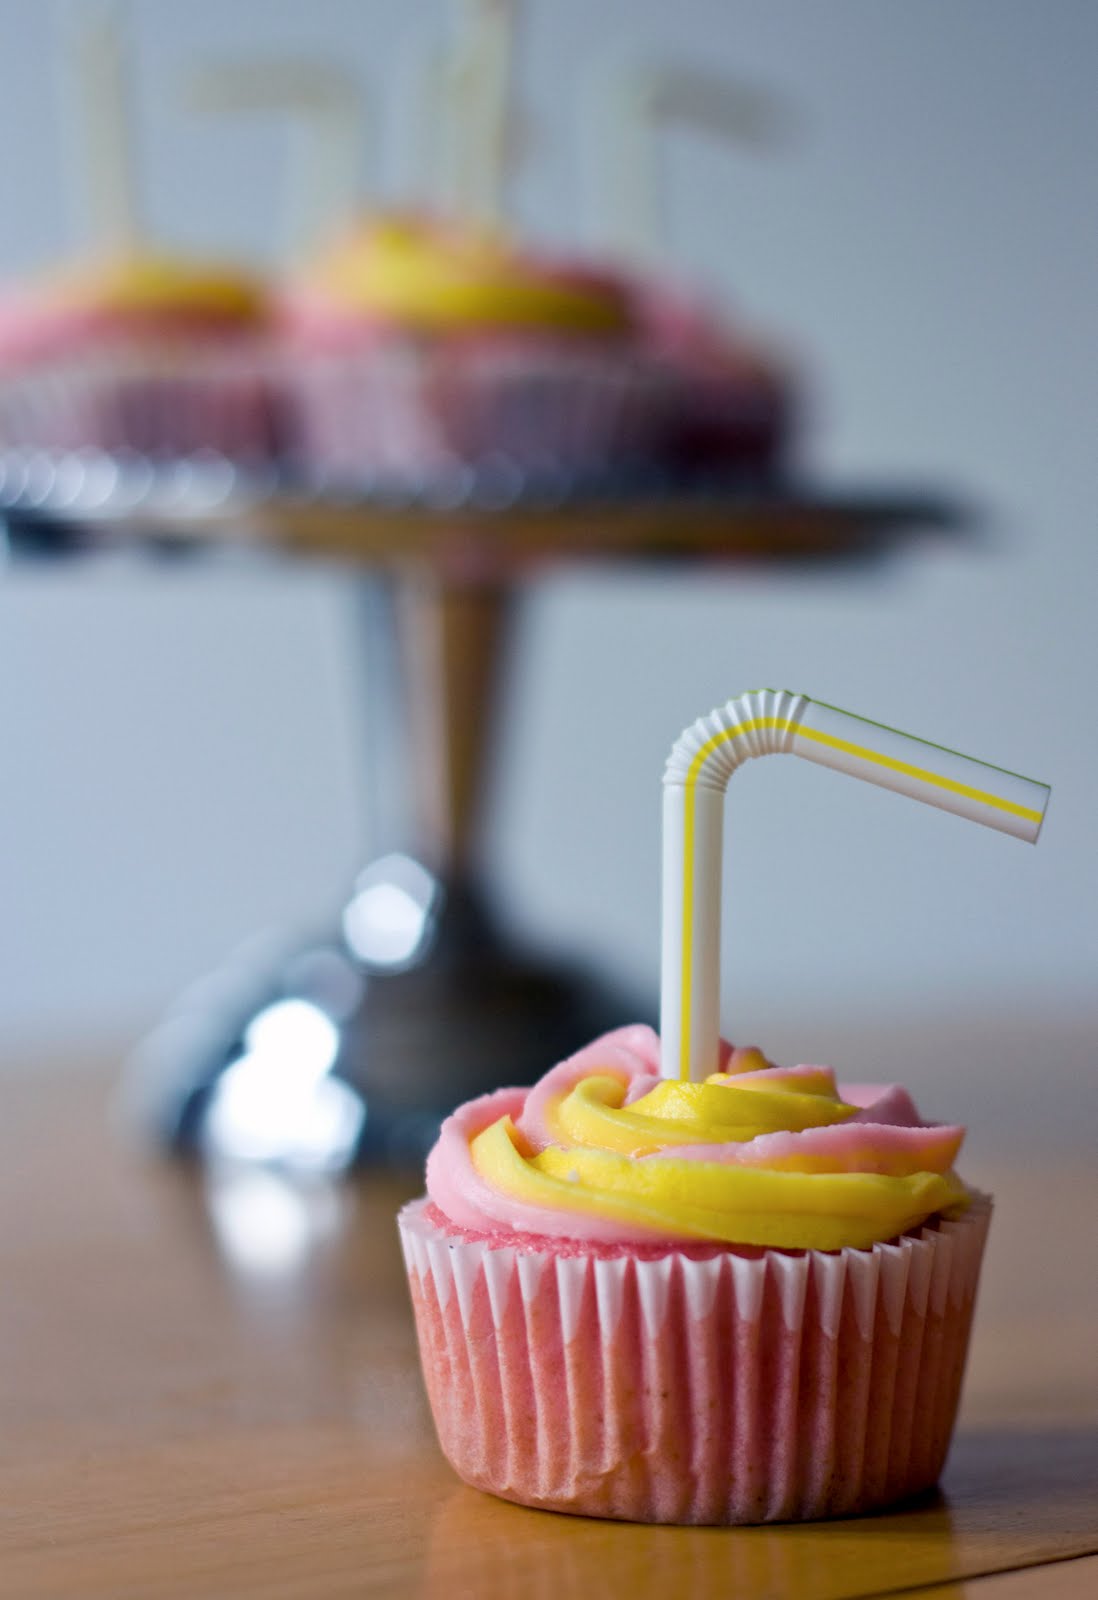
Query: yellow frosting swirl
{"type": "Point", "coordinates": [756, 1156]}
{"type": "Point", "coordinates": [150, 285]}
{"type": "Point", "coordinates": [434, 277]}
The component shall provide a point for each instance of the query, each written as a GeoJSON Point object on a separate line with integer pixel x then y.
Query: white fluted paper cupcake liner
{"type": "Point", "coordinates": [735, 1389]}
{"type": "Point", "coordinates": [160, 402]}
{"type": "Point", "coordinates": [407, 409]}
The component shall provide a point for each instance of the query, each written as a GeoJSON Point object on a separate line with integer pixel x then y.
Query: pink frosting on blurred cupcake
{"type": "Point", "coordinates": [736, 400]}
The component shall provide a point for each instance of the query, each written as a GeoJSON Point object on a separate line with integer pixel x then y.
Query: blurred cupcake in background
{"type": "Point", "coordinates": [140, 351]}
{"type": "Point", "coordinates": [417, 342]}
{"type": "Point", "coordinates": [416, 345]}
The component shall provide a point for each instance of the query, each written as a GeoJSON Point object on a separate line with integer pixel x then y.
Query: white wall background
{"type": "Point", "coordinates": [182, 745]}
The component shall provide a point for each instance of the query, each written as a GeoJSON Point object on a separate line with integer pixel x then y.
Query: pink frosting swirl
{"type": "Point", "coordinates": [883, 1138]}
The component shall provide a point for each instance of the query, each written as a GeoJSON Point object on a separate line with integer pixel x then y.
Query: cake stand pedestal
{"type": "Point", "coordinates": [353, 1047]}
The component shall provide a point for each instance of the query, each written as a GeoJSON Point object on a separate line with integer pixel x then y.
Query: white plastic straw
{"type": "Point", "coordinates": [772, 722]}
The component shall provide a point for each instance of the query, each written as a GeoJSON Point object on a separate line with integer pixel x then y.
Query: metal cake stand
{"type": "Point", "coordinates": [353, 1047]}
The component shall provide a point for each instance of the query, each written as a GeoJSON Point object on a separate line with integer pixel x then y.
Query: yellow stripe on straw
{"type": "Point", "coordinates": [863, 753]}
{"type": "Point", "coordinates": [935, 779]}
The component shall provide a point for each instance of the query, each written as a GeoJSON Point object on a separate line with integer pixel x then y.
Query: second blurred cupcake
{"type": "Point", "coordinates": [420, 345]}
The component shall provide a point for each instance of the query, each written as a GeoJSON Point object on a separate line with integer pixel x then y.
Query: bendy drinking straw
{"type": "Point", "coordinates": [774, 722]}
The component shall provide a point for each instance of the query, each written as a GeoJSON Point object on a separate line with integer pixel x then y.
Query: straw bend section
{"type": "Point", "coordinates": [775, 722]}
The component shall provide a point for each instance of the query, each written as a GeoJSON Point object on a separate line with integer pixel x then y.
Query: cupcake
{"type": "Point", "coordinates": [140, 352]}
{"type": "Point", "coordinates": [673, 1282]}
{"type": "Point", "coordinates": [744, 1300]}
{"type": "Point", "coordinates": [421, 345]}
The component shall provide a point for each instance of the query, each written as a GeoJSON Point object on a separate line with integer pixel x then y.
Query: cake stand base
{"type": "Point", "coordinates": [321, 1060]}
{"type": "Point", "coordinates": [354, 1047]}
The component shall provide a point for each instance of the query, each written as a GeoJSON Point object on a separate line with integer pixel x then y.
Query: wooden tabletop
{"type": "Point", "coordinates": [208, 1388]}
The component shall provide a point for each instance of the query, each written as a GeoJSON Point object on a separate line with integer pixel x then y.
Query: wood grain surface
{"type": "Point", "coordinates": [1076, 1575]}
{"type": "Point", "coordinates": [208, 1387]}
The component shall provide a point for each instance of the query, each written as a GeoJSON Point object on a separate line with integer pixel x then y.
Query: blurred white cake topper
{"type": "Point", "coordinates": [483, 77]}
{"type": "Point", "coordinates": [643, 105]}
{"type": "Point", "coordinates": [472, 124]}
{"type": "Point", "coordinates": [329, 109]}
{"type": "Point", "coordinates": [469, 114]}
{"type": "Point", "coordinates": [101, 149]}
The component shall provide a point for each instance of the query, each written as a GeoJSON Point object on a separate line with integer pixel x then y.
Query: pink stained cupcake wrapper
{"type": "Point", "coordinates": [406, 409]}
{"type": "Point", "coordinates": [159, 401]}
{"type": "Point", "coordinates": [734, 1389]}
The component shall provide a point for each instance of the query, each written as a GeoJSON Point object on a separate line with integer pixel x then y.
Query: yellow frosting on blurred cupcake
{"type": "Point", "coordinates": [433, 276]}
{"type": "Point", "coordinates": [152, 285]}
